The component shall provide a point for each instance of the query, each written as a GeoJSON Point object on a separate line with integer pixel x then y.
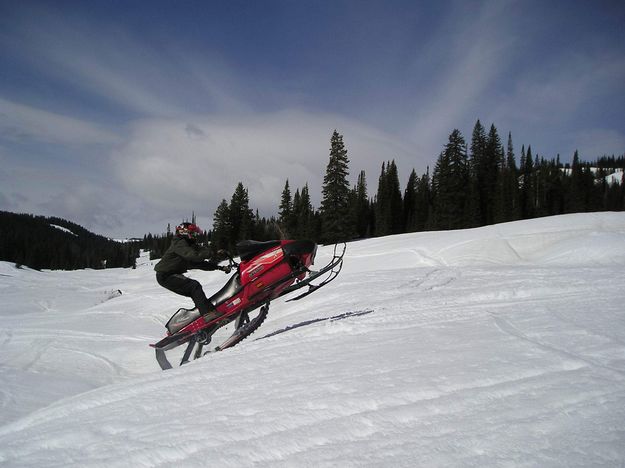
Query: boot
{"type": "Point", "coordinates": [209, 313]}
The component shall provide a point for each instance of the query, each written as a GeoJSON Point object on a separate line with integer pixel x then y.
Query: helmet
{"type": "Point", "coordinates": [188, 230]}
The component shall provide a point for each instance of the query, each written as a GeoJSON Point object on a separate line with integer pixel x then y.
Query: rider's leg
{"type": "Point", "coordinates": [188, 287]}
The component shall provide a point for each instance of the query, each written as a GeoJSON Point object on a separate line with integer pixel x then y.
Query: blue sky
{"type": "Point", "coordinates": [126, 115]}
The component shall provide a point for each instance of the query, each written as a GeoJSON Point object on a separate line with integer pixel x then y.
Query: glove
{"type": "Point", "coordinates": [226, 269]}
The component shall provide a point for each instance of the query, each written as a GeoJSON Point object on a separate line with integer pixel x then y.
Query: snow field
{"type": "Point", "coordinates": [498, 346]}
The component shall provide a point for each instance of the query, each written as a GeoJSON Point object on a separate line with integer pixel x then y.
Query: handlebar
{"type": "Point", "coordinates": [232, 264]}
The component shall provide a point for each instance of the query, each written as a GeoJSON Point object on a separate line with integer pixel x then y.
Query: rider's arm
{"type": "Point", "coordinates": [209, 265]}
{"type": "Point", "coordinates": [191, 254]}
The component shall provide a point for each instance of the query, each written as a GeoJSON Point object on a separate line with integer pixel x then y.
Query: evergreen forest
{"type": "Point", "coordinates": [57, 244]}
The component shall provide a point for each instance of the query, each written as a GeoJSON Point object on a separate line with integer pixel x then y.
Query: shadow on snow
{"type": "Point", "coordinates": [334, 318]}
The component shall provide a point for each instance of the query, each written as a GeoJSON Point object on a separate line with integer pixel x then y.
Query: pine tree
{"type": "Point", "coordinates": [574, 201]}
{"type": "Point", "coordinates": [493, 161]}
{"type": "Point", "coordinates": [388, 207]}
{"type": "Point", "coordinates": [303, 215]}
{"type": "Point", "coordinates": [286, 209]}
{"type": "Point", "coordinates": [449, 184]}
{"type": "Point", "coordinates": [485, 163]}
{"type": "Point", "coordinates": [423, 202]}
{"type": "Point", "coordinates": [620, 199]}
{"type": "Point", "coordinates": [241, 216]}
{"type": "Point", "coordinates": [540, 186]}
{"type": "Point", "coordinates": [295, 229]}
{"type": "Point", "coordinates": [334, 204]}
{"type": "Point", "coordinates": [410, 203]}
{"type": "Point", "coordinates": [527, 195]}
{"type": "Point", "coordinates": [395, 199]}
{"type": "Point", "coordinates": [509, 197]}
{"type": "Point", "coordinates": [382, 203]}
{"type": "Point", "coordinates": [499, 189]}
{"type": "Point", "coordinates": [360, 207]}
{"type": "Point", "coordinates": [554, 200]}
{"type": "Point", "coordinates": [477, 170]}
{"type": "Point", "coordinates": [222, 228]}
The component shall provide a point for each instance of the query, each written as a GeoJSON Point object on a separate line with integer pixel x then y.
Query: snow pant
{"type": "Point", "coordinates": [184, 286]}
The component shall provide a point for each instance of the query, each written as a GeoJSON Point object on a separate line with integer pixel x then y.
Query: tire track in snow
{"type": "Point", "coordinates": [587, 329]}
{"type": "Point", "coordinates": [116, 369]}
{"type": "Point", "coordinates": [8, 336]}
{"type": "Point", "coordinates": [508, 328]}
{"type": "Point", "coordinates": [75, 334]}
{"type": "Point", "coordinates": [38, 354]}
{"type": "Point", "coordinates": [434, 279]}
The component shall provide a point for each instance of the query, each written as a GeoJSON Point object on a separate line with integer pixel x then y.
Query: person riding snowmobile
{"type": "Point", "coordinates": [182, 255]}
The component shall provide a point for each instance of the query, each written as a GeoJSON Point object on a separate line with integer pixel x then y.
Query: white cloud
{"type": "Point", "coordinates": [194, 163]}
{"type": "Point", "coordinates": [19, 122]}
{"type": "Point", "coordinates": [98, 206]}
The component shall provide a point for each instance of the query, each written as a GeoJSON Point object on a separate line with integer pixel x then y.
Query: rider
{"type": "Point", "coordinates": [185, 254]}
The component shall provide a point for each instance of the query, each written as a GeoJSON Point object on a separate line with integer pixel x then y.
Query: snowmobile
{"type": "Point", "coordinates": [266, 271]}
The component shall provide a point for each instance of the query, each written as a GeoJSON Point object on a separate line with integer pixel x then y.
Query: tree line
{"type": "Point", "coordinates": [472, 184]}
{"type": "Point", "coordinates": [34, 241]}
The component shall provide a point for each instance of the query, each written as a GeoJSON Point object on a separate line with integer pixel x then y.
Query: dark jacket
{"type": "Point", "coordinates": [183, 255]}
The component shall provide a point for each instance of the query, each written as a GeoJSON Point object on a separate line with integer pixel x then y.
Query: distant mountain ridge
{"type": "Point", "coordinates": [42, 242]}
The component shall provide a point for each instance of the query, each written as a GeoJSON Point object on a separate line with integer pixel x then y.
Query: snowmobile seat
{"type": "Point", "coordinates": [300, 247]}
{"type": "Point", "coordinates": [248, 249]}
{"type": "Point", "coordinates": [231, 288]}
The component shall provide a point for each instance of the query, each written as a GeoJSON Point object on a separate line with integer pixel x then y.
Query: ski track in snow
{"type": "Point", "coordinates": [498, 346]}
{"type": "Point", "coordinates": [507, 327]}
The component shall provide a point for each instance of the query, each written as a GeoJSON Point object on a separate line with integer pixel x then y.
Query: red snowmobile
{"type": "Point", "coordinates": [267, 270]}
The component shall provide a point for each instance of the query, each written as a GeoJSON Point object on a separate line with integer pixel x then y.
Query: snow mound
{"type": "Point", "coordinates": [579, 239]}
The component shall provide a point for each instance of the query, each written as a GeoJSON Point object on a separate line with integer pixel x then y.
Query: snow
{"type": "Point", "coordinates": [614, 178]}
{"type": "Point", "coordinates": [61, 228]}
{"type": "Point", "coordinates": [497, 346]}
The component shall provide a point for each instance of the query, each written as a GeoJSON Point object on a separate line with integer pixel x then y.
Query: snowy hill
{"type": "Point", "coordinates": [497, 346]}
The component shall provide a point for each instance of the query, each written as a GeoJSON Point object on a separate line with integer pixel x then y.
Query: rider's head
{"type": "Point", "coordinates": [188, 230]}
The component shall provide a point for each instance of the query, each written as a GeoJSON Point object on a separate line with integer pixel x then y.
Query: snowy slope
{"type": "Point", "coordinates": [497, 346]}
